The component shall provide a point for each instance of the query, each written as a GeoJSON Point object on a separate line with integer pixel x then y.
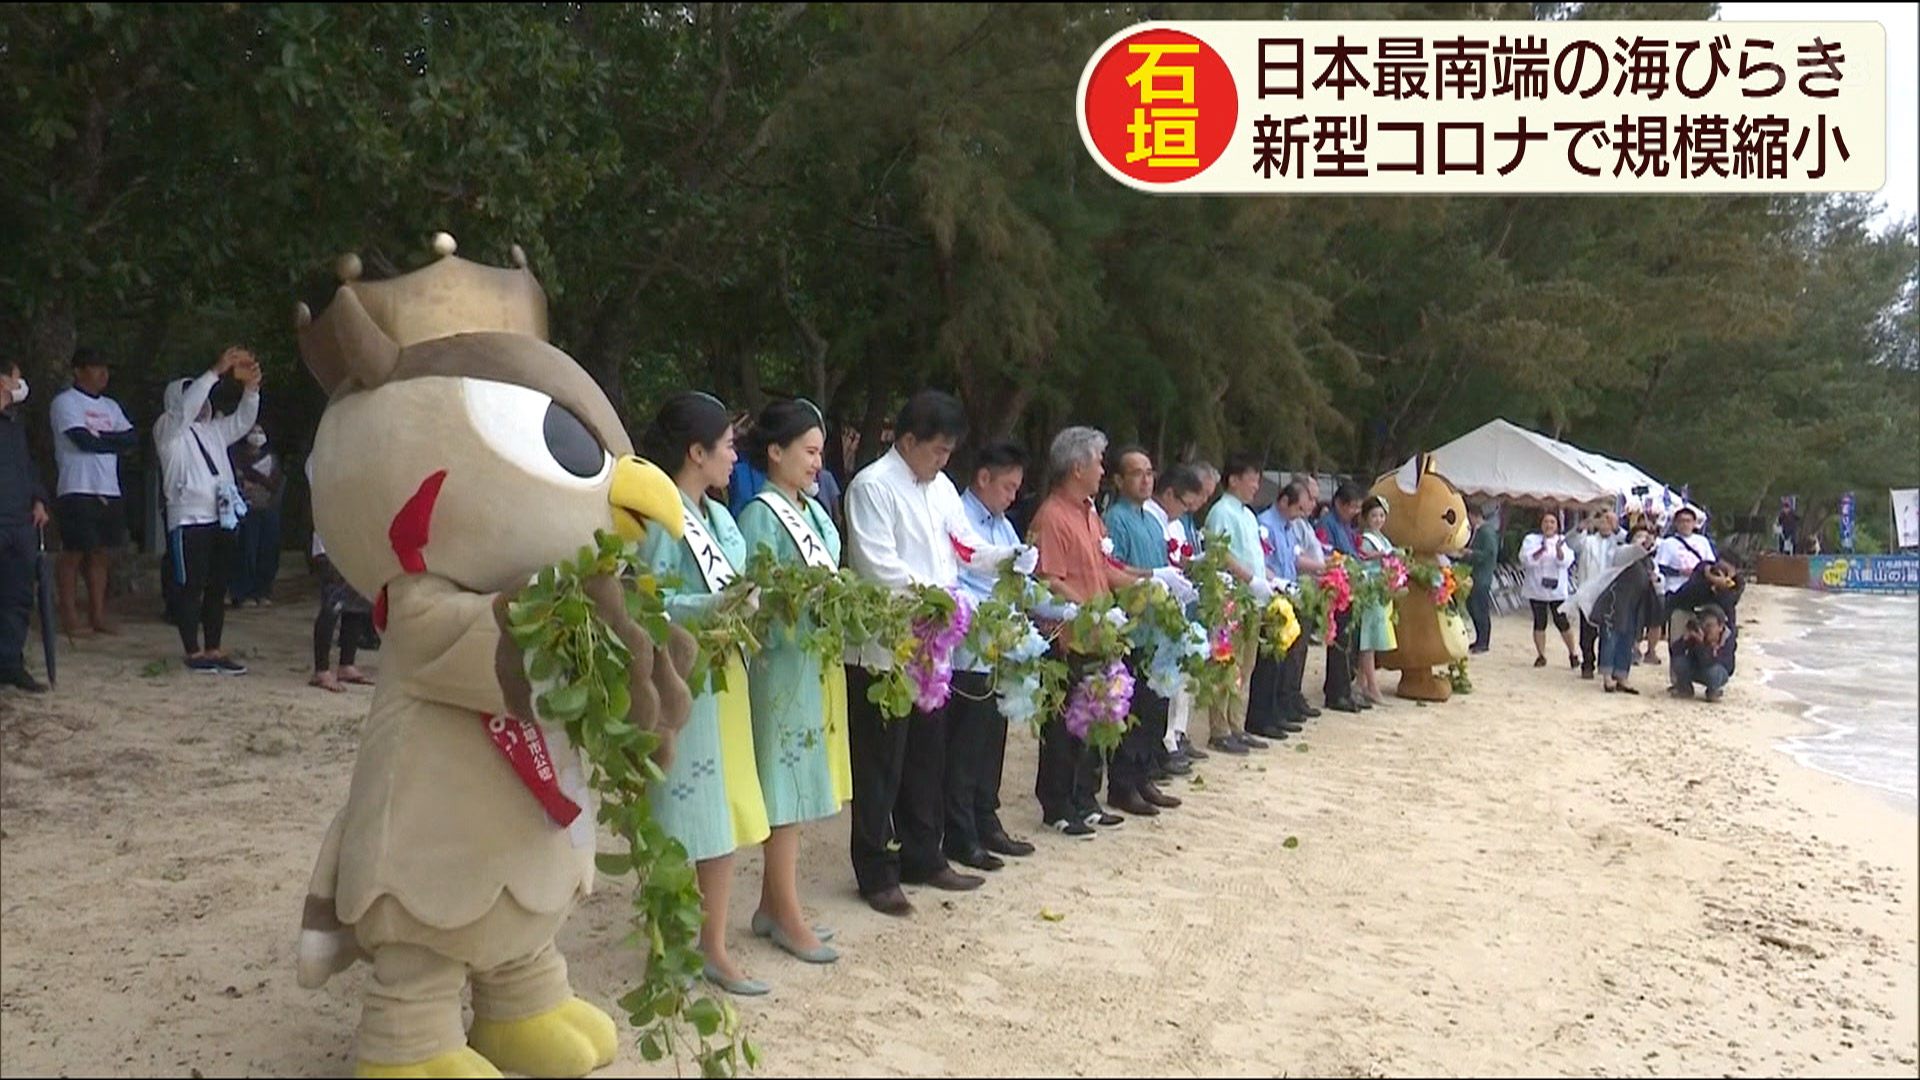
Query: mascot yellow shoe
{"type": "Point", "coordinates": [1427, 516]}
{"type": "Point", "coordinates": [459, 455]}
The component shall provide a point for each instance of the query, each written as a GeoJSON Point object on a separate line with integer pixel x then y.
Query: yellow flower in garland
{"type": "Point", "coordinates": [1280, 625]}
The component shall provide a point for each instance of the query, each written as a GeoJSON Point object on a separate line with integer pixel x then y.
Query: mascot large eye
{"type": "Point", "coordinates": [537, 434]}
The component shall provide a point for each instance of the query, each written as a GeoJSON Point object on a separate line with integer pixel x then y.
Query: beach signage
{"type": "Point", "coordinates": [1864, 573]}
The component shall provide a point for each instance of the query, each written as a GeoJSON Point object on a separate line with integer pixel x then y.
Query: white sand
{"type": "Point", "coordinates": [1537, 879]}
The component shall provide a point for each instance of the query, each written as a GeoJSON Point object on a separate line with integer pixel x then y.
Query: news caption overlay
{"type": "Point", "coordinates": [1696, 108]}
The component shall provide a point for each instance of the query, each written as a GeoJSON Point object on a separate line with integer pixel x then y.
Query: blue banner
{"type": "Point", "coordinates": [1846, 522]}
{"type": "Point", "coordinates": [1864, 573]}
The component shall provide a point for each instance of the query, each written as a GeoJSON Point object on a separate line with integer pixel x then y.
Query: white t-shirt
{"type": "Point", "coordinates": [1544, 564]}
{"type": "Point", "coordinates": [1676, 558]}
{"type": "Point", "coordinates": [83, 472]}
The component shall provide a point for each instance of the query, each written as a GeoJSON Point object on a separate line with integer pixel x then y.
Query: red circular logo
{"type": "Point", "coordinates": [1160, 106]}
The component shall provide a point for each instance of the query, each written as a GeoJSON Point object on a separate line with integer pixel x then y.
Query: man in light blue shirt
{"type": "Point", "coordinates": [976, 730]}
{"type": "Point", "coordinates": [1230, 516]}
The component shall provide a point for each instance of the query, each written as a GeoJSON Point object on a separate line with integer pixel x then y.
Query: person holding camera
{"type": "Point", "coordinates": [1703, 655]}
{"type": "Point", "coordinates": [204, 504]}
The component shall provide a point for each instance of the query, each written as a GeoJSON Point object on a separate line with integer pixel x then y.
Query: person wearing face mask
{"type": "Point", "coordinates": [204, 505]}
{"type": "Point", "coordinates": [257, 470]}
{"type": "Point", "coordinates": [23, 512]}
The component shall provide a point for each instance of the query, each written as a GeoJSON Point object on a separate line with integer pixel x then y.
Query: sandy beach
{"type": "Point", "coordinates": [1535, 879]}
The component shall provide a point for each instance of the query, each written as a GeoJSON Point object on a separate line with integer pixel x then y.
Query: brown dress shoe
{"type": "Point", "coordinates": [949, 879]}
{"type": "Point", "coordinates": [890, 901]}
{"type": "Point", "coordinates": [1130, 802]}
{"type": "Point", "coordinates": [1159, 798]}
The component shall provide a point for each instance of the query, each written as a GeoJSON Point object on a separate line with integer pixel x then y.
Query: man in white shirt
{"type": "Point", "coordinates": [1179, 494]}
{"type": "Point", "coordinates": [204, 507]}
{"type": "Point", "coordinates": [1675, 558]}
{"type": "Point", "coordinates": [90, 432]}
{"type": "Point", "coordinates": [1592, 554]}
{"type": "Point", "coordinates": [905, 526]}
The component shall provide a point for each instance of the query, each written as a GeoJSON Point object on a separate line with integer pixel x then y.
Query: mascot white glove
{"type": "Point", "coordinates": [1026, 559]}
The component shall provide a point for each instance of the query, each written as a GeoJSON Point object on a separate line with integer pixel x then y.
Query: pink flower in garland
{"type": "Point", "coordinates": [931, 669]}
{"type": "Point", "coordinates": [1396, 572]}
{"type": "Point", "coordinates": [1105, 697]}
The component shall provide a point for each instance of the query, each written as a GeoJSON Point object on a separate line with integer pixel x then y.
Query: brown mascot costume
{"type": "Point", "coordinates": [1426, 516]}
{"type": "Point", "coordinates": [459, 455]}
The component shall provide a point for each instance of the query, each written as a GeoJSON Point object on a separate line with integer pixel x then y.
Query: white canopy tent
{"type": "Point", "coordinates": [1506, 461]}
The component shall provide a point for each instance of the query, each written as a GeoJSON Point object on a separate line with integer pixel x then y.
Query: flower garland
{"type": "Point", "coordinates": [1279, 626]}
{"type": "Point", "coordinates": [1099, 708]}
{"type": "Point", "coordinates": [569, 649]}
{"type": "Point", "coordinates": [1162, 640]}
{"type": "Point", "coordinates": [938, 627]}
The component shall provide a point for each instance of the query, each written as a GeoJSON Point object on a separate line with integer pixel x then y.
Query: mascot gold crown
{"type": "Point", "coordinates": [459, 455]}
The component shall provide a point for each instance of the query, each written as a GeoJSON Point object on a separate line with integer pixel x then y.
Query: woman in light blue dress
{"type": "Point", "coordinates": [799, 702]}
{"type": "Point", "coordinates": [710, 799]}
{"type": "Point", "coordinates": [1376, 620]}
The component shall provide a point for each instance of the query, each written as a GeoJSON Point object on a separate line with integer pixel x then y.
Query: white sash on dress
{"type": "Point", "coordinates": [812, 551]}
{"type": "Point", "coordinates": [714, 567]}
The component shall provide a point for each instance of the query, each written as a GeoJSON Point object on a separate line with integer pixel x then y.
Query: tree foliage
{"type": "Point", "coordinates": [851, 202]}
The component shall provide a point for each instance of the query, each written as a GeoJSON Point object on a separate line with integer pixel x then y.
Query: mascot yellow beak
{"type": "Point", "coordinates": [642, 493]}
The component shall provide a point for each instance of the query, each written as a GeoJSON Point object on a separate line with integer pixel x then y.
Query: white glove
{"type": "Point", "coordinates": [1262, 591]}
{"type": "Point", "coordinates": [1176, 583]}
{"type": "Point", "coordinates": [1106, 545]}
{"type": "Point", "coordinates": [1026, 560]}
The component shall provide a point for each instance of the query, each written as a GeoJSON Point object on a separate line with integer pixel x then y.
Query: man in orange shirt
{"type": "Point", "coordinates": [1068, 533]}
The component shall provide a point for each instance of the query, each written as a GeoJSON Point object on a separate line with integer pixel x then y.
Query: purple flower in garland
{"type": "Point", "coordinates": [932, 666]}
{"type": "Point", "coordinates": [1105, 697]}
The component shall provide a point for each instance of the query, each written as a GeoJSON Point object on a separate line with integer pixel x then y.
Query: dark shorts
{"type": "Point", "coordinates": [1544, 610]}
{"type": "Point", "coordinates": [90, 522]}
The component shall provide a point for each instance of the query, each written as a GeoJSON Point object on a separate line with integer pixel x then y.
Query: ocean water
{"type": "Point", "coordinates": [1855, 664]}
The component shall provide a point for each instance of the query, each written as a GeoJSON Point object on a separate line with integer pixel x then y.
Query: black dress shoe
{"type": "Point", "coordinates": [979, 859]}
{"type": "Point", "coordinates": [889, 901]}
{"type": "Point", "coordinates": [946, 878]}
{"type": "Point", "coordinates": [20, 680]}
{"type": "Point", "coordinates": [1292, 727]}
{"type": "Point", "coordinates": [1159, 798]}
{"type": "Point", "coordinates": [1309, 711]}
{"type": "Point", "coordinates": [1343, 705]}
{"type": "Point", "coordinates": [1131, 802]}
{"type": "Point", "coordinates": [1270, 731]}
{"type": "Point", "coordinates": [1001, 844]}
{"type": "Point", "coordinates": [1253, 742]}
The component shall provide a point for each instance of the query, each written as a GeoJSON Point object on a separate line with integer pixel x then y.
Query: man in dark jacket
{"type": "Point", "coordinates": [23, 510]}
{"type": "Point", "coordinates": [1705, 655]}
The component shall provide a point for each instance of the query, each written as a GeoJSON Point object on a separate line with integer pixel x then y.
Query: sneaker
{"type": "Point", "coordinates": [1178, 765]}
{"type": "Point", "coordinates": [1105, 820]}
{"type": "Point", "coordinates": [202, 665]}
{"type": "Point", "coordinates": [1715, 695]}
{"type": "Point", "coordinates": [1228, 746]}
{"type": "Point", "coordinates": [1193, 752]}
{"type": "Point", "coordinates": [1073, 828]}
{"type": "Point", "coordinates": [1252, 741]}
{"type": "Point", "coordinates": [228, 666]}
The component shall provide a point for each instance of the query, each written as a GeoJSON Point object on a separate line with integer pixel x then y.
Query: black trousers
{"type": "Point", "coordinates": [1133, 760]}
{"type": "Point", "coordinates": [1068, 776]}
{"type": "Point", "coordinates": [1589, 646]}
{"type": "Point", "coordinates": [19, 559]}
{"type": "Point", "coordinates": [1266, 700]}
{"type": "Point", "coordinates": [899, 769]}
{"type": "Point", "coordinates": [202, 558]}
{"type": "Point", "coordinates": [1293, 676]}
{"type": "Point", "coordinates": [976, 752]}
{"type": "Point", "coordinates": [1338, 685]}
